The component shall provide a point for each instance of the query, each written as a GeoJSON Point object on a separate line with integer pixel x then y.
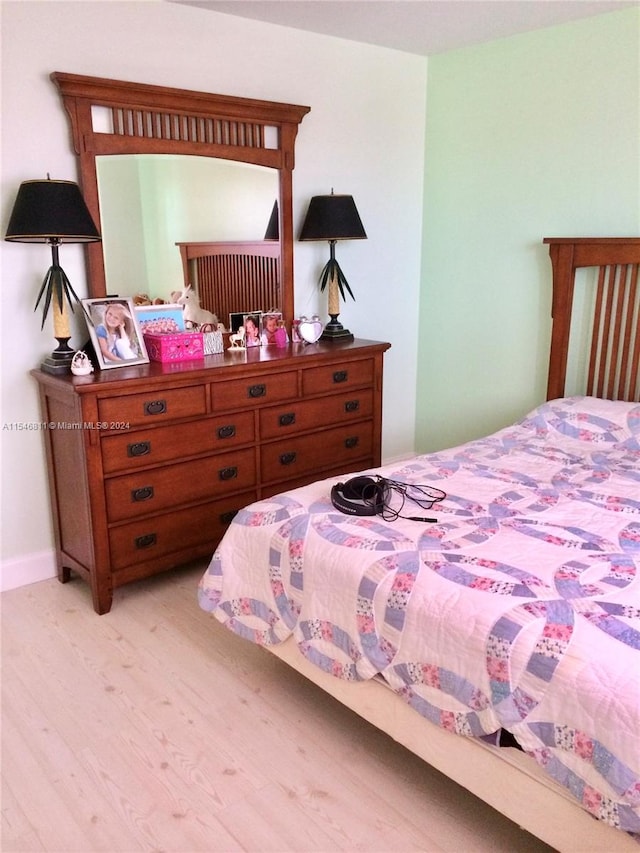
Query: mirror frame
{"type": "Point", "coordinates": [149, 119]}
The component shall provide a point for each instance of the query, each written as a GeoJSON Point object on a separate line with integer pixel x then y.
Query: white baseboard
{"type": "Point", "coordinates": [27, 569]}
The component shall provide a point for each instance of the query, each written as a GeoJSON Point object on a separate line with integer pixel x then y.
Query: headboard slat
{"type": "Point", "coordinates": [625, 336]}
{"type": "Point", "coordinates": [633, 324]}
{"type": "Point", "coordinates": [597, 324]}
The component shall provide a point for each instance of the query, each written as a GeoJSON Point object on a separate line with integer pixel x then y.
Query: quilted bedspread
{"type": "Point", "coordinates": [519, 609]}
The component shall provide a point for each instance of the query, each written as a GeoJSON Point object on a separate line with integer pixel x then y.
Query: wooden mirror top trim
{"type": "Point", "coordinates": [150, 119]}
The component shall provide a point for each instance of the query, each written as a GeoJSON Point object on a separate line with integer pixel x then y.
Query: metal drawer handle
{"type": "Point", "coordinates": [288, 419]}
{"type": "Point", "coordinates": [340, 376]}
{"type": "Point", "coordinates": [228, 473]}
{"type": "Point", "coordinates": [227, 431]}
{"type": "Point", "coordinates": [145, 541]}
{"type": "Point", "coordinates": [257, 390]}
{"type": "Point", "coordinates": [287, 458]}
{"type": "Point", "coordinates": [145, 493]}
{"type": "Point", "coordinates": [352, 442]}
{"type": "Point", "coordinates": [227, 517]}
{"type": "Point", "coordinates": [352, 405]}
{"type": "Point", "coordinates": [155, 407]}
{"type": "Point", "coordinates": [140, 448]}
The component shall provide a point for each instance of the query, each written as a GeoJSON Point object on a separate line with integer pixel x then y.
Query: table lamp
{"type": "Point", "coordinates": [333, 217]}
{"type": "Point", "coordinates": [53, 212]}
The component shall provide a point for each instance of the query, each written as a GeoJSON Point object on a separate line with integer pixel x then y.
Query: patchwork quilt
{"type": "Point", "coordinates": [518, 610]}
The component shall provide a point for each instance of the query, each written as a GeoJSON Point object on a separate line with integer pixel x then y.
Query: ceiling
{"type": "Point", "coordinates": [423, 27]}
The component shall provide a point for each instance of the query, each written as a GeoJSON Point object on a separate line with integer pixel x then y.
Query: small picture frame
{"type": "Point", "coordinates": [252, 329]}
{"type": "Point", "coordinates": [165, 319]}
{"type": "Point", "coordinates": [274, 331]}
{"type": "Point", "coordinates": [236, 319]}
{"type": "Point", "coordinates": [115, 332]}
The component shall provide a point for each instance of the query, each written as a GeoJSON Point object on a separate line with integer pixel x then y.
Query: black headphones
{"type": "Point", "coordinates": [370, 496]}
{"type": "Point", "coordinates": [360, 496]}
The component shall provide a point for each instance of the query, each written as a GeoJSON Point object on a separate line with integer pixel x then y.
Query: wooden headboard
{"type": "Point", "coordinates": [234, 277]}
{"type": "Point", "coordinates": [614, 325]}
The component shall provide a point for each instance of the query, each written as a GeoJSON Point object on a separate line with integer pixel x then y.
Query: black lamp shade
{"type": "Point", "coordinates": [273, 226]}
{"type": "Point", "coordinates": [46, 211]}
{"type": "Point", "coordinates": [332, 217]}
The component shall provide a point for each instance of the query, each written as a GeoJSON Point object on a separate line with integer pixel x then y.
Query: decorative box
{"type": "Point", "coordinates": [184, 346]}
{"type": "Point", "coordinates": [213, 343]}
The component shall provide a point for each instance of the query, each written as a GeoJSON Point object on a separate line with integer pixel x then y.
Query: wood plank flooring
{"type": "Point", "coordinates": [153, 728]}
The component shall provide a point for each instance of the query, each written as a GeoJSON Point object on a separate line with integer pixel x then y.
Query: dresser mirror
{"type": "Point", "coordinates": [200, 175]}
{"type": "Point", "coordinates": [151, 202]}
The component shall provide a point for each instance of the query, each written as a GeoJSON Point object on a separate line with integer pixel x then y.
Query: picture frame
{"type": "Point", "coordinates": [252, 323]}
{"type": "Point", "coordinates": [117, 341]}
{"type": "Point", "coordinates": [236, 319]}
{"type": "Point", "coordinates": [160, 319]}
{"type": "Point", "coordinates": [273, 331]}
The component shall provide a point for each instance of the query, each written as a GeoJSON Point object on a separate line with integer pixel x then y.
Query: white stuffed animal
{"type": "Point", "coordinates": [193, 313]}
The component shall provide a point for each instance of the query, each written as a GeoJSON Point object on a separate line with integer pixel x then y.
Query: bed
{"type": "Point", "coordinates": [502, 642]}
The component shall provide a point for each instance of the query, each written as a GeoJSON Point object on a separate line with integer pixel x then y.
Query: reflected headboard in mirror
{"type": "Point", "coordinates": [114, 117]}
{"type": "Point", "coordinates": [228, 274]}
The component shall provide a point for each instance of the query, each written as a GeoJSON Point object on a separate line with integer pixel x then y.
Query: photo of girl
{"type": "Point", "coordinates": [252, 330]}
{"type": "Point", "coordinates": [115, 332]}
{"type": "Point", "coordinates": [273, 329]}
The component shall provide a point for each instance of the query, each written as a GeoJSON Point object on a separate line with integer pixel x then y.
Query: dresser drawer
{"type": "Point", "coordinates": [161, 488]}
{"type": "Point", "coordinates": [294, 457]}
{"type": "Point", "coordinates": [338, 377]}
{"type": "Point", "coordinates": [154, 406]}
{"type": "Point", "coordinates": [172, 532]}
{"type": "Point", "coordinates": [166, 443]}
{"type": "Point", "coordinates": [240, 393]}
{"type": "Point", "coordinates": [304, 415]}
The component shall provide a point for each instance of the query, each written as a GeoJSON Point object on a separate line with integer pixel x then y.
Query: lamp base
{"type": "Point", "coordinates": [335, 332]}
{"type": "Point", "coordinates": [60, 359]}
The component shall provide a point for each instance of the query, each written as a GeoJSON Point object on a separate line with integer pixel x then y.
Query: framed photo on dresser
{"type": "Point", "coordinates": [115, 332]}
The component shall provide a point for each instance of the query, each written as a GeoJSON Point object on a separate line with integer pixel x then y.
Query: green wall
{"type": "Point", "coordinates": [527, 137]}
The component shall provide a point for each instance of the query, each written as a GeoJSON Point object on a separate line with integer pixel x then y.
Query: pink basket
{"type": "Point", "coordinates": [184, 346]}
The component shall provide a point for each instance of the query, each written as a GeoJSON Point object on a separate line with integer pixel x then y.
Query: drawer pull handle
{"type": "Point", "coordinates": [288, 419]}
{"type": "Point", "coordinates": [352, 405]}
{"type": "Point", "coordinates": [340, 376]}
{"type": "Point", "coordinates": [351, 442]}
{"type": "Point", "coordinates": [287, 458]}
{"type": "Point", "coordinates": [140, 448]}
{"type": "Point", "coordinates": [145, 493]}
{"type": "Point", "coordinates": [228, 473]}
{"type": "Point", "coordinates": [257, 390]}
{"type": "Point", "coordinates": [145, 541]}
{"type": "Point", "coordinates": [227, 517]}
{"type": "Point", "coordinates": [227, 431]}
{"type": "Point", "coordinates": [155, 407]}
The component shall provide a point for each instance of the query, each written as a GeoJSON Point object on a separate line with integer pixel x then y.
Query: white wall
{"type": "Point", "coordinates": [364, 136]}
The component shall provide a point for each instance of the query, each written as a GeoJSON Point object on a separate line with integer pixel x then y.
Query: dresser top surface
{"type": "Point", "coordinates": [222, 365]}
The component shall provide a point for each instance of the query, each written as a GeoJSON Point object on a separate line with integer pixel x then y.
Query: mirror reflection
{"type": "Point", "coordinates": [151, 202]}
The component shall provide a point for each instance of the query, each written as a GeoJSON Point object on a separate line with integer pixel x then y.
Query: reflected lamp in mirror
{"type": "Point", "coordinates": [273, 225]}
{"type": "Point", "coordinates": [53, 212]}
{"type": "Point", "coordinates": [333, 217]}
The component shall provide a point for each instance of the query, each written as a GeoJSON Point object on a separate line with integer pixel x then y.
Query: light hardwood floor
{"type": "Point", "coordinates": [154, 728]}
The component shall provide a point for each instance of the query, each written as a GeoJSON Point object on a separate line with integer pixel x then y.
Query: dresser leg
{"type": "Point", "coordinates": [102, 595]}
{"type": "Point", "coordinates": [64, 573]}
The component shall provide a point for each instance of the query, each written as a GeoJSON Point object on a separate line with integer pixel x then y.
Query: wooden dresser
{"type": "Point", "coordinates": [148, 464]}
